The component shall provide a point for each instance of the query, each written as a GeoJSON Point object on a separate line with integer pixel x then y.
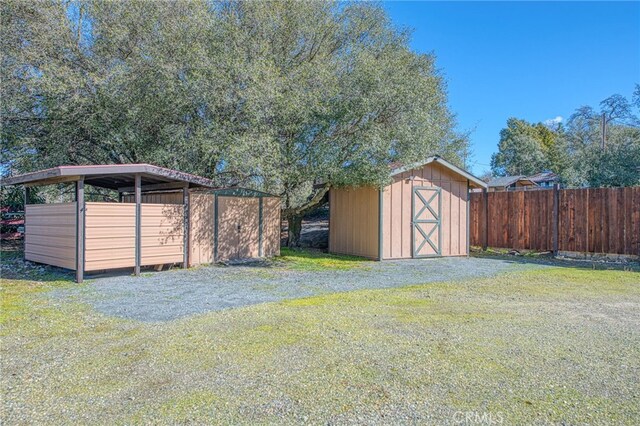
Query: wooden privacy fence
{"type": "Point", "coordinates": [595, 220]}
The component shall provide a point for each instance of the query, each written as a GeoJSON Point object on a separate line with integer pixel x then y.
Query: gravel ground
{"type": "Point", "coordinates": [530, 345]}
{"type": "Point", "coordinates": [168, 295]}
{"type": "Point", "coordinates": [494, 341]}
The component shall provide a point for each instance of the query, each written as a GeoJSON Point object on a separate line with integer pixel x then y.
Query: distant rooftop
{"type": "Point", "coordinates": [505, 181]}
{"type": "Point", "coordinates": [543, 177]}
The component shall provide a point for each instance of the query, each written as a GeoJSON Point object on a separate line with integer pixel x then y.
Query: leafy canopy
{"type": "Point", "coordinates": [575, 152]}
{"type": "Point", "coordinates": [275, 95]}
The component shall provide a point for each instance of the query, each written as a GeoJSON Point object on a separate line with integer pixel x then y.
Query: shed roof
{"type": "Point", "coordinates": [473, 181]}
{"type": "Point", "coordinates": [119, 177]}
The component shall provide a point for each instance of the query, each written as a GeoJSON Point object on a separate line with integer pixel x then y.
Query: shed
{"type": "Point", "coordinates": [164, 217]}
{"type": "Point", "coordinates": [422, 213]}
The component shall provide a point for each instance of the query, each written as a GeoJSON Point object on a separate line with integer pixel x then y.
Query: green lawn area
{"type": "Point", "coordinates": [556, 345]}
{"type": "Point", "coordinates": [307, 260]}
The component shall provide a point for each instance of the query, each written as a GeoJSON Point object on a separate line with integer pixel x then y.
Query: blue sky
{"type": "Point", "coordinates": [531, 60]}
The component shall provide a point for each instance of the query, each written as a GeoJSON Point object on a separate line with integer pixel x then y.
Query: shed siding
{"type": "Point", "coordinates": [50, 234]}
{"type": "Point", "coordinates": [397, 230]}
{"type": "Point", "coordinates": [109, 235]}
{"type": "Point", "coordinates": [271, 226]}
{"type": "Point", "coordinates": [169, 197]}
{"type": "Point", "coordinates": [201, 229]}
{"type": "Point", "coordinates": [233, 211]}
{"type": "Point", "coordinates": [353, 219]}
{"type": "Point", "coordinates": [162, 231]}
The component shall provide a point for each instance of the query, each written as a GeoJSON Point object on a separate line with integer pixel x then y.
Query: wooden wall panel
{"type": "Point", "coordinates": [397, 228]}
{"type": "Point", "coordinates": [201, 228]}
{"type": "Point", "coordinates": [353, 221]}
{"type": "Point", "coordinates": [50, 234]}
{"type": "Point", "coordinates": [392, 218]}
{"type": "Point", "coordinates": [406, 238]}
{"type": "Point", "coordinates": [270, 226]}
{"type": "Point", "coordinates": [476, 218]}
{"type": "Point", "coordinates": [109, 235]}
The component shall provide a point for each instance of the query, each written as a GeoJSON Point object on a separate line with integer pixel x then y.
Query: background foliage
{"type": "Point", "coordinates": [274, 95]}
{"type": "Point", "coordinates": [575, 151]}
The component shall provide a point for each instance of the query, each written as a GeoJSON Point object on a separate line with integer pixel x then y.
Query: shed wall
{"type": "Point", "coordinates": [50, 234]}
{"type": "Point", "coordinates": [169, 197]}
{"type": "Point", "coordinates": [201, 228]}
{"type": "Point", "coordinates": [110, 230]}
{"type": "Point", "coordinates": [271, 226]}
{"type": "Point", "coordinates": [397, 229]}
{"type": "Point", "coordinates": [354, 221]}
{"type": "Point", "coordinates": [233, 211]}
{"type": "Point", "coordinates": [162, 234]}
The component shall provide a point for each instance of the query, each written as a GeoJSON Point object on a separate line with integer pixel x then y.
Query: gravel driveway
{"type": "Point", "coordinates": [165, 296]}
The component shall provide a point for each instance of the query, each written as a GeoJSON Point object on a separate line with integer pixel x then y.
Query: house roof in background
{"type": "Point", "coordinates": [505, 181]}
{"type": "Point", "coordinates": [543, 177]}
{"type": "Point", "coordinates": [119, 177]}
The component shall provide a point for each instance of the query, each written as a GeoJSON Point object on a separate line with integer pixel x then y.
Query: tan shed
{"type": "Point", "coordinates": [226, 224]}
{"type": "Point", "coordinates": [163, 217]}
{"type": "Point", "coordinates": [422, 213]}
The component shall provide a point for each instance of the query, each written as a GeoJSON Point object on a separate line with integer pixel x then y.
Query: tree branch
{"type": "Point", "coordinates": [314, 201]}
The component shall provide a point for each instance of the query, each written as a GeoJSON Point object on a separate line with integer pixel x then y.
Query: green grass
{"type": "Point", "coordinates": [544, 346]}
{"type": "Point", "coordinates": [308, 260]}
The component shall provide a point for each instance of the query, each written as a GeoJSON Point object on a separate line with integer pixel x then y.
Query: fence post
{"type": "Point", "coordinates": [485, 225]}
{"type": "Point", "coordinates": [556, 218]}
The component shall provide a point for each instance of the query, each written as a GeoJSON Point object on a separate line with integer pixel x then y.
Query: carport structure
{"type": "Point", "coordinates": [163, 217]}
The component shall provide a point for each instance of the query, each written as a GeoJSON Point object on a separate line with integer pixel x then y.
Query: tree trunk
{"type": "Point", "coordinates": [295, 227]}
{"type": "Point", "coordinates": [294, 216]}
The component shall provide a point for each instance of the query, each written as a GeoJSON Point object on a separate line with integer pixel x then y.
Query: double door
{"type": "Point", "coordinates": [238, 228]}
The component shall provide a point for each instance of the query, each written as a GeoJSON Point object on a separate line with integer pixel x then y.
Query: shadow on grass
{"type": "Point", "coordinates": [14, 267]}
{"type": "Point", "coordinates": [547, 258]}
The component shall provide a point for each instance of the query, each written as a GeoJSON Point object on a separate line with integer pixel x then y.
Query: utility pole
{"type": "Point", "coordinates": [604, 130]}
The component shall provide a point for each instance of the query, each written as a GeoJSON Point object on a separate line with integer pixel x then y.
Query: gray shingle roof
{"type": "Point", "coordinates": [543, 177]}
{"type": "Point", "coordinates": [504, 181]}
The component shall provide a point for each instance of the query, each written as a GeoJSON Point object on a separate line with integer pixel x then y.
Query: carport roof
{"type": "Point", "coordinates": [120, 177]}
